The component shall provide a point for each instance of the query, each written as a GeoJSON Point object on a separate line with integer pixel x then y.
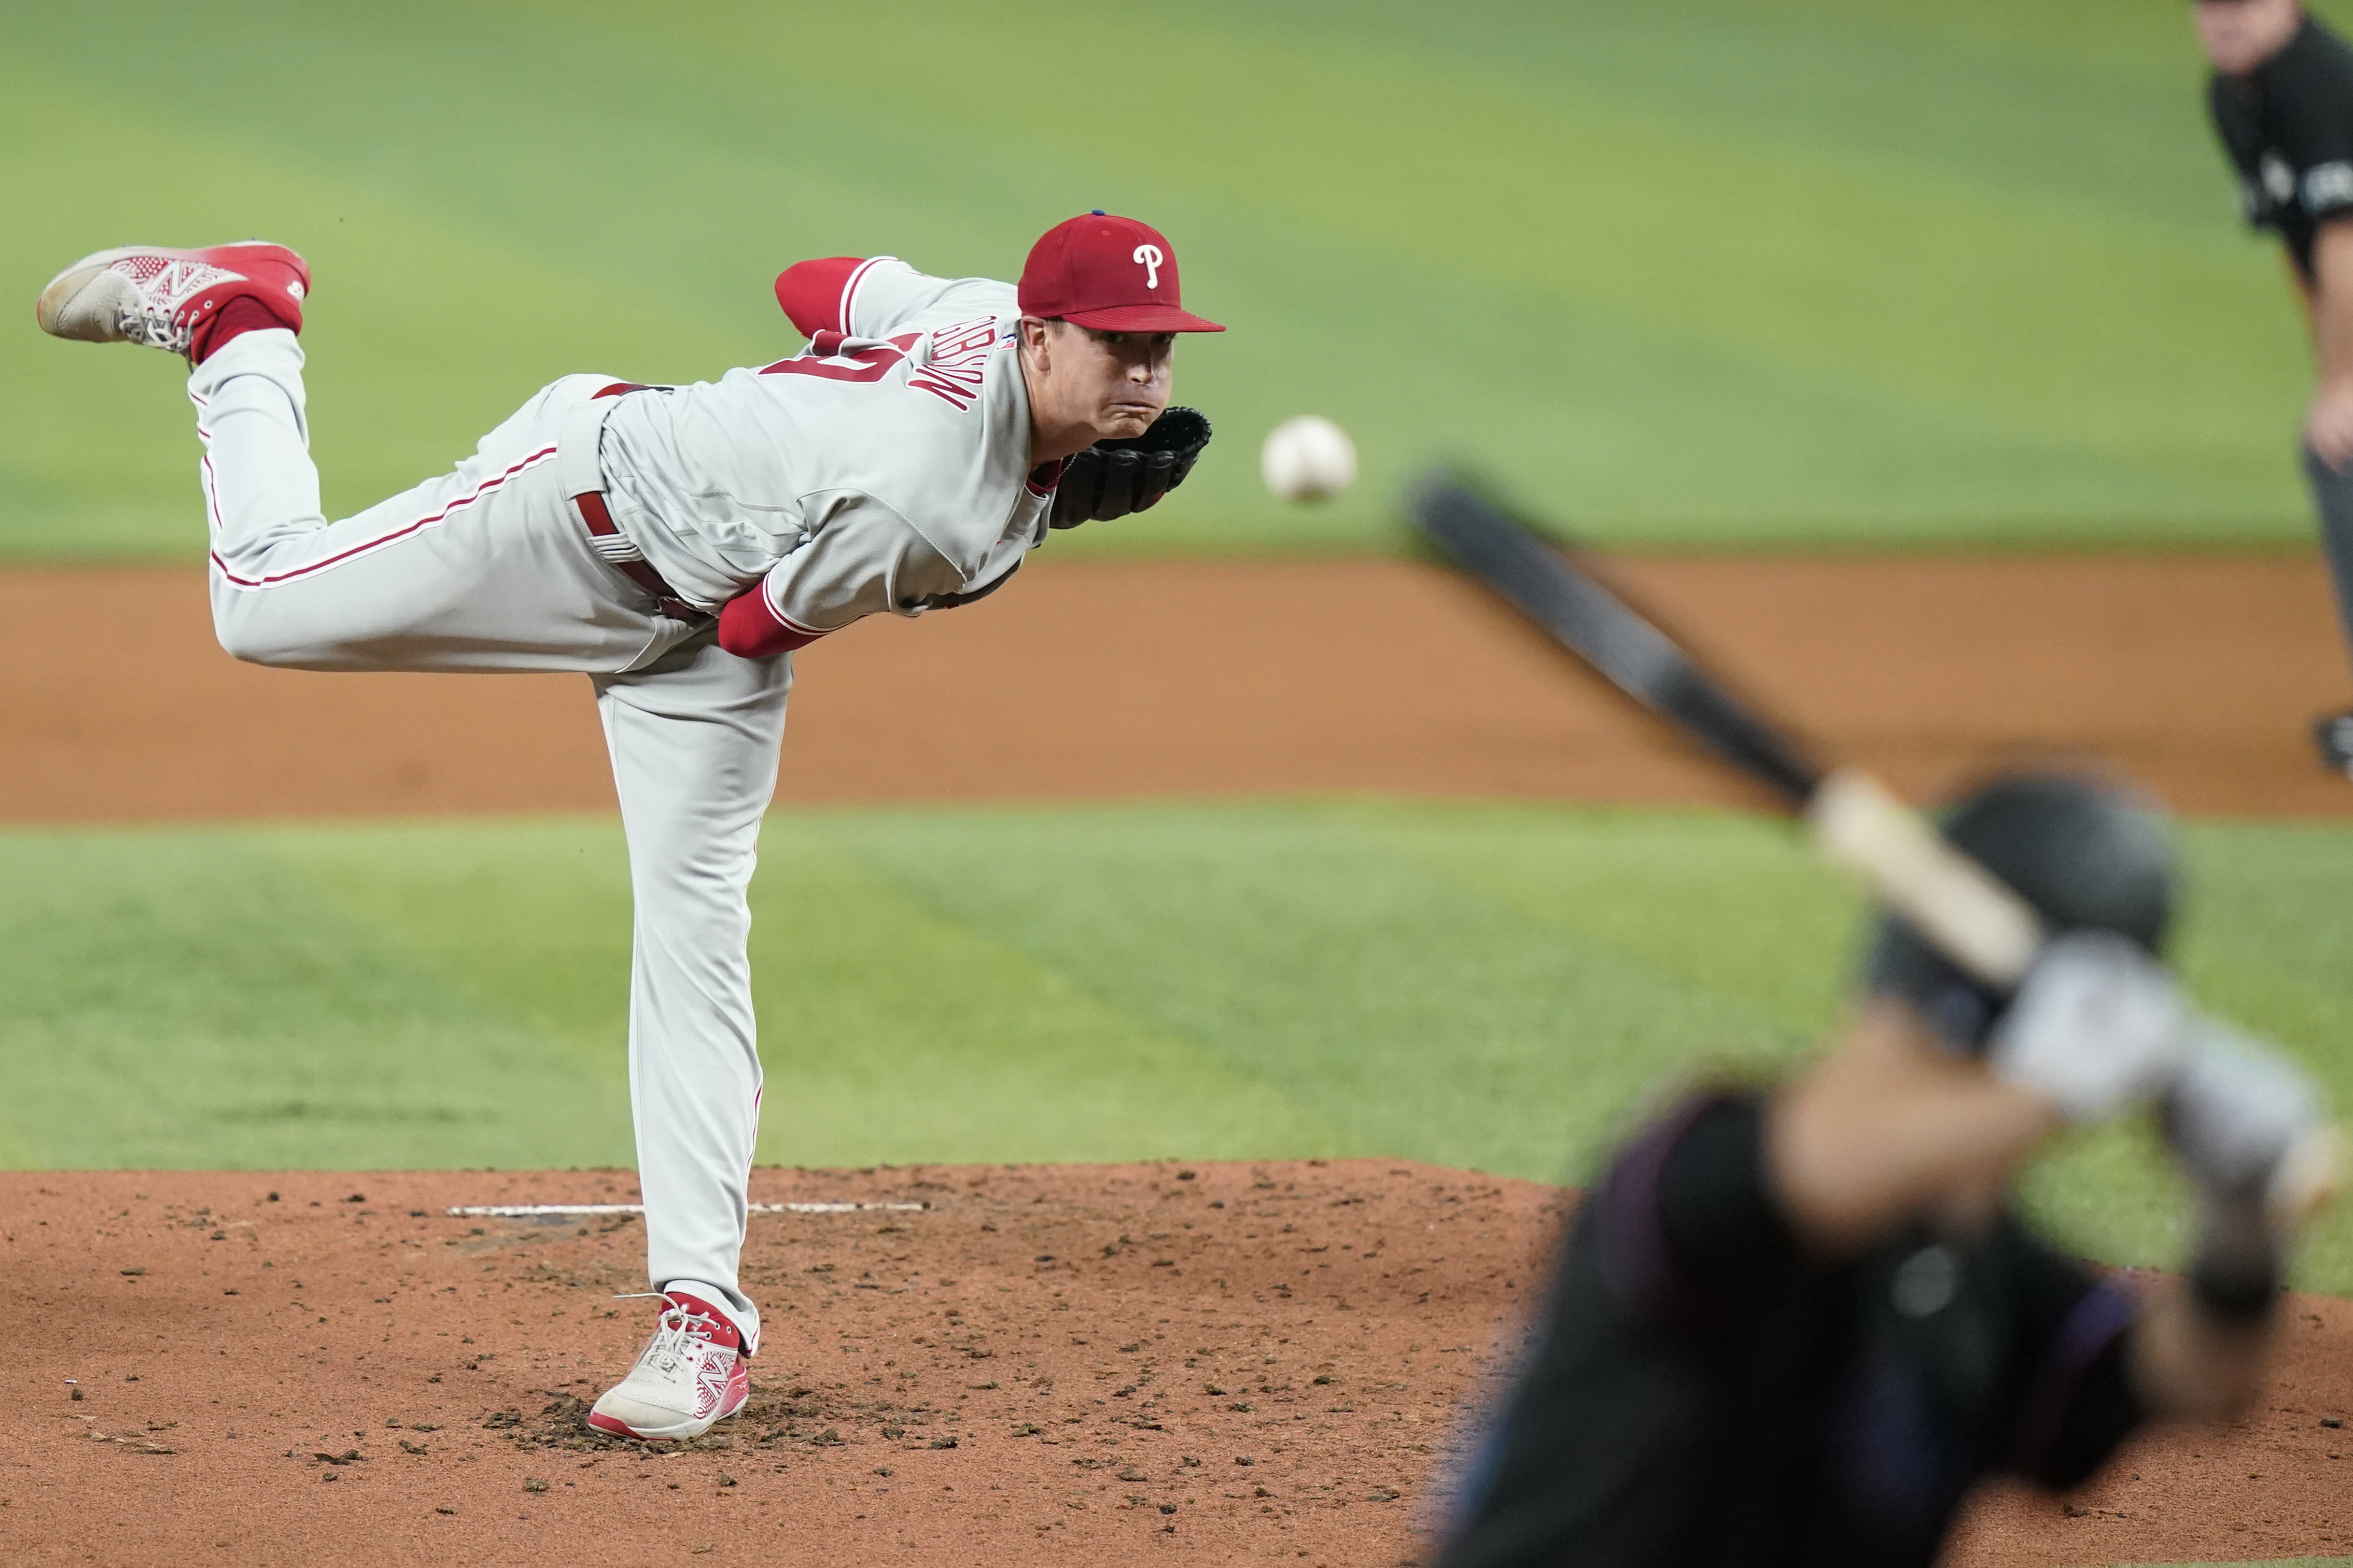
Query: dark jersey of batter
{"type": "Point", "coordinates": [1701, 1392]}
{"type": "Point", "coordinates": [2288, 127]}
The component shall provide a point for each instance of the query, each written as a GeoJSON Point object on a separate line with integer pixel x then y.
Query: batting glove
{"type": "Point", "coordinates": [2098, 1026]}
{"type": "Point", "coordinates": [2247, 1126]}
{"type": "Point", "coordinates": [2236, 1111]}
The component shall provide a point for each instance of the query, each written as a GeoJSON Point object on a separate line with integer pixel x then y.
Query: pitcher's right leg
{"type": "Point", "coordinates": [486, 567]}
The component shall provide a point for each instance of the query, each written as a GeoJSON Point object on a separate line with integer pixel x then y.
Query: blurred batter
{"type": "Point", "coordinates": [1800, 1324]}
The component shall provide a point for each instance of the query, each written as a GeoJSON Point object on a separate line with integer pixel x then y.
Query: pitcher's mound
{"type": "Point", "coordinates": [1208, 1363]}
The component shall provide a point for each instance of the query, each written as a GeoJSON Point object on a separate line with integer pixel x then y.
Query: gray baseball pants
{"type": "Point", "coordinates": [2332, 497]}
{"type": "Point", "coordinates": [490, 567]}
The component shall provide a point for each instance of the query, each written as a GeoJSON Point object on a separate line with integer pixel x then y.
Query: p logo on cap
{"type": "Point", "coordinates": [1108, 272]}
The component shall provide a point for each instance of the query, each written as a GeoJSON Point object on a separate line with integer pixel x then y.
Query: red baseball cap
{"type": "Point", "coordinates": [1112, 274]}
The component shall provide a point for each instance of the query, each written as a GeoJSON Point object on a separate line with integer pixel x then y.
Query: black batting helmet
{"type": "Point", "coordinates": [2087, 854]}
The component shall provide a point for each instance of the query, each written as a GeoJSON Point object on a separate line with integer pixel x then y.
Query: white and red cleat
{"type": "Point", "coordinates": [167, 299]}
{"type": "Point", "coordinates": [690, 1376]}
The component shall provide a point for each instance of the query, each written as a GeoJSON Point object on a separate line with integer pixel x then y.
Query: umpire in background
{"type": "Point", "coordinates": [2282, 100]}
{"type": "Point", "coordinates": [1798, 1326]}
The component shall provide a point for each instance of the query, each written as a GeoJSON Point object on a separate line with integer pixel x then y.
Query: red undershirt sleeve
{"type": "Point", "coordinates": [811, 292]}
{"type": "Point", "coordinates": [749, 626]}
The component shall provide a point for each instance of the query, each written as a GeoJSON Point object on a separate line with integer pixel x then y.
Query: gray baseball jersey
{"type": "Point", "coordinates": [883, 469]}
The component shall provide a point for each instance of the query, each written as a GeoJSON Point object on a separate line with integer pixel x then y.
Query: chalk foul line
{"type": "Point", "coordinates": [535, 1211]}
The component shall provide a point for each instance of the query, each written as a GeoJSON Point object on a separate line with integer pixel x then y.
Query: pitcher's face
{"type": "Point", "coordinates": [1116, 382]}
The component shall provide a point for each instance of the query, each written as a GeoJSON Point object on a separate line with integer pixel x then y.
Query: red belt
{"type": "Point", "coordinates": [594, 512]}
{"type": "Point", "coordinates": [600, 522]}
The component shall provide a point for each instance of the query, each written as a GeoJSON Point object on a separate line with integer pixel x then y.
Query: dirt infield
{"type": "Point", "coordinates": [1087, 681]}
{"type": "Point", "coordinates": [1187, 1364]}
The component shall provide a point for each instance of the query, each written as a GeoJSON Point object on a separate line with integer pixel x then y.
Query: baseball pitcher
{"type": "Point", "coordinates": [675, 544]}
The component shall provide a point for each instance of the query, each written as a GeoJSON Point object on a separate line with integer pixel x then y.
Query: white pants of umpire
{"type": "Point", "coordinates": [488, 569]}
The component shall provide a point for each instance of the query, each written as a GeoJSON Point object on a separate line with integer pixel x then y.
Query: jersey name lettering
{"type": "Point", "coordinates": [959, 361]}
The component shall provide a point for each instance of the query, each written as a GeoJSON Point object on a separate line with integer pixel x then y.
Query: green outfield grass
{"type": "Point", "coordinates": [1480, 985]}
{"type": "Point", "coordinates": [1688, 271]}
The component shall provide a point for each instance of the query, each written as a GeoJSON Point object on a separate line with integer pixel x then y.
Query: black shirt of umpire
{"type": "Point", "coordinates": [2288, 127]}
{"type": "Point", "coordinates": [1701, 1392]}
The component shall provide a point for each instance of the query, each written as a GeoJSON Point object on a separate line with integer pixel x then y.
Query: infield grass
{"type": "Point", "coordinates": [1688, 271]}
{"type": "Point", "coordinates": [1493, 986]}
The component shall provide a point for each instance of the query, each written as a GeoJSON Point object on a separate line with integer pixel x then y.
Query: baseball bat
{"type": "Point", "coordinates": [1959, 907]}
{"type": "Point", "coordinates": [1955, 903]}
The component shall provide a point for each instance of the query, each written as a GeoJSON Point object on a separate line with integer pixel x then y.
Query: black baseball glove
{"type": "Point", "coordinates": [1111, 479]}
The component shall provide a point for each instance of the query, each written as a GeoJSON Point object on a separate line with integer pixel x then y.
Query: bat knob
{"type": "Point", "coordinates": [2309, 1179]}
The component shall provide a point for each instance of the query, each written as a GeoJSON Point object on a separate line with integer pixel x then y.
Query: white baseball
{"type": "Point", "coordinates": [1308, 458]}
